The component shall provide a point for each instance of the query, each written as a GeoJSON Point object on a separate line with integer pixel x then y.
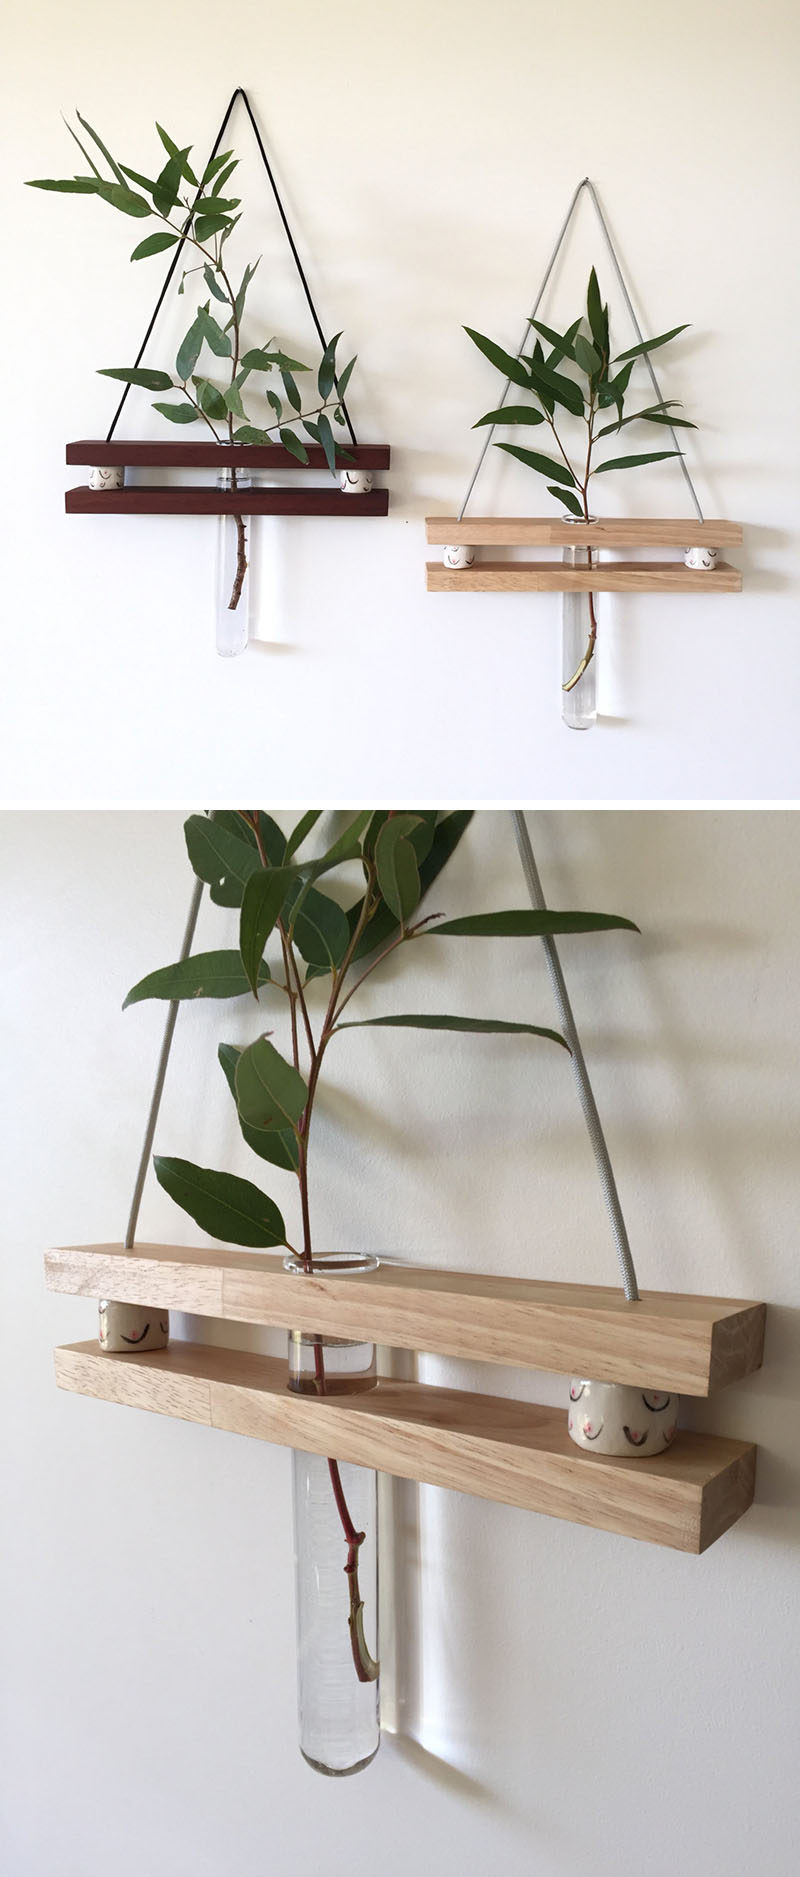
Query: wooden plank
{"type": "Point", "coordinates": [684, 1344]}
{"type": "Point", "coordinates": [609, 577]}
{"type": "Point", "coordinates": [553, 531]}
{"type": "Point", "coordinates": [184, 455]}
{"type": "Point", "coordinates": [511, 1451]}
{"type": "Point", "coordinates": [173, 500]}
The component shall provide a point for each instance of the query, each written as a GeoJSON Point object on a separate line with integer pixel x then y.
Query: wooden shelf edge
{"type": "Point", "coordinates": [511, 1451]}
{"type": "Point", "coordinates": [683, 1344]}
{"type": "Point", "coordinates": [172, 500]}
{"type": "Point", "coordinates": [137, 453]}
{"type": "Point", "coordinates": [609, 577]}
{"type": "Point", "coordinates": [553, 531]}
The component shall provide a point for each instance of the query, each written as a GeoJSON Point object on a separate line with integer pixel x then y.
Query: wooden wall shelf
{"type": "Point", "coordinates": [183, 455]}
{"type": "Point", "coordinates": [683, 1344]}
{"type": "Point", "coordinates": [173, 500]}
{"type": "Point", "coordinates": [527, 531]}
{"type": "Point", "coordinates": [510, 1451]}
{"type": "Point", "coordinates": [608, 577]}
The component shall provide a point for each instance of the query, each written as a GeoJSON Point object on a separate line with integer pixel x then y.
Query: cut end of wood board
{"type": "Point", "coordinates": [683, 1344]}
{"type": "Point", "coordinates": [511, 1451]}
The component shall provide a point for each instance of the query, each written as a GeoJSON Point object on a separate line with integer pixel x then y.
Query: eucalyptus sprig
{"type": "Point", "coordinates": [248, 862]}
{"type": "Point", "coordinates": [596, 386]}
{"type": "Point", "coordinates": [197, 211]}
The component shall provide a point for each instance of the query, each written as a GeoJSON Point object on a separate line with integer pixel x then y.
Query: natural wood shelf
{"type": "Point", "coordinates": [526, 531]}
{"type": "Point", "coordinates": [510, 1451]}
{"type": "Point", "coordinates": [608, 577]}
{"type": "Point", "coordinates": [172, 500]}
{"type": "Point", "coordinates": [184, 455]}
{"type": "Point", "coordinates": [683, 1344]}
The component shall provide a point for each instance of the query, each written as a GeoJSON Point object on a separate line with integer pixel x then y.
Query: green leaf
{"type": "Point", "coordinates": [594, 308]}
{"type": "Point", "coordinates": [241, 296]}
{"type": "Point", "coordinates": [248, 433]}
{"type": "Point", "coordinates": [211, 400]}
{"type": "Point", "coordinates": [562, 342]}
{"type": "Point", "coordinates": [213, 285]}
{"type": "Point", "coordinates": [121, 197]}
{"type": "Point", "coordinates": [343, 378]}
{"type": "Point", "coordinates": [70, 186]}
{"type": "Point", "coordinates": [313, 429]}
{"type": "Point", "coordinates": [222, 1205]}
{"type": "Point", "coordinates": [224, 174]}
{"type": "Point", "coordinates": [207, 226]}
{"type": "Point", "coordinates": [569, 500]}
{"type": "Point", "coordinates": [320, 931]}
{"type": "Point", "coordinates": [135, 176]}
{"type": "Point", "coordinates": [205, 974]}
{"type": "Point", "coordinates": [300, 831]}
{"type": "Point", "coordinates": [232, 401]}
{"type": "Point", "coordinates": [511, 414]}
{"type": "Point", "coordinates": [153, 245]}
{"type": "Point", "coordinates": [215, 164]}
{"type": "Point", "coordinates": [478, 1026]}
{"type": "Point", "coordinates": [220, 857]}
{"type": "Point", "coordinates": [101, 147]}
{"type": "Point", "coordinates": [218, 340]}
{"type": "Point", "coordinates": [653, 414]}
{"type": "Point", "coordinates": [178, 413]}
{"type": "Point", "coordinates": [587, 358]}
{"type": "Point", "coordinates": [165, 193]}
{"type": "Point", "coordinates": [327, 368]}
{"type": "Point", "coordinates": [138, 375]}
{"type": "Point", "coordinates": [280, 1144]}
{"type": "Point", "coordinates": [383, 926]}
{"type": "Point", "coordinates": [650, 345]}
{"type": "Point", "coordinates": [546, 465]}
{"type": "Point", "coordinates": [529, 924]}
{"type": "Point", "coordinates": [564, 346]}
{"type": "Point", "coordinates": [270, 1093]}
{"type": "Point", "coordinates": [190, 349]}
{"type": "Point", "coordinates": [213, 205]}
{"type": "Point", "coordinates": [291, 390]}
{"type": "Point", "coordinates": [264, 894]}
{"type": "Point", "coordinates": [512, 368]}
{"type": "Point", "coordinates": [564, 390]}
{"type": "Point", "coordinates": [293, 445]}
{"type": "Point", "coordinates": [261, 360]}
{"type": "Point", "coordinates": [327, 441]}
{"type": "Point", "coordinates": [83, 150]}
{"type": "Point", "coordinates": [632, 462]}
{"type": "Point", "coordinates": [172, 150]}
{"type": "Point", "coordinates": [396, 863]}
{"type": "Point", "coordinates": [614, 389]}
{"type": "Point", "coordinates": [346, 847]}
{"type": "Point", "coordinates": [275, 404]}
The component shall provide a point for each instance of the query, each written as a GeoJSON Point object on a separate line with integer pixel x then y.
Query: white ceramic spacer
{"type": "Point", "coordinates": [614, 1417]}
{"type": "Point", "coordinates": [113, 478]}
{"type": "Point", "coordinates": [704, 557]}
{"type": "Point", "coordinates": [125, 1327]}
{"type": "Point", "coordinates": [355, 481]}
{"type": "Point", "coordinates": [458, 554]}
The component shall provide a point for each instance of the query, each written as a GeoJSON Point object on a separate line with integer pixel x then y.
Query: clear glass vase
{"type": "Point", "coordinates": [336, 1579]}
{"type": "Point", "coordinates": [234, 542]}
{"type": "Point", "coordinates": [578, 633]}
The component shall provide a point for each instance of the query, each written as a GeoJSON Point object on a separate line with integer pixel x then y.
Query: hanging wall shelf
{"type": "Point", "coordinates": [512, 1451]}
{"type": "Point", "coordinates": [671, 576]}
{"type": "Point", "coordinates": [158, 499]}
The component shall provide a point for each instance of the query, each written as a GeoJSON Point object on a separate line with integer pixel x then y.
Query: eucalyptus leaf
{"type": "Point", "coordinates": [300, 831]}
{"type": "Point", "coordinates": [153, 244]}
{"type": "Point", "coordinates": [178, 413]}
{"type": "Point", "coordinates": [206, 226]}
{"type": "Point", "coordinates": [594, 309]}
{"type": "Point", "coordinates": [586, 356]}
{"type": "Point", "coordinates": [190, 348]}
{"type": "Point", "coordinates": [101, 146]}
{"type": "Point", "coordinates": [224, 859]}
{"type": "Point", "coordinates": [138, 375]}
{"type": "Point", "coordinates": [291, 391]}
{"type": "Point", "coordinates": [293, 445]}
{"type": "Point", "coordinates": [633, 462]}
{"type": "Point", "coordinates": [327, 440]}
{"type": "Point", "coordinates": [546, 465]}
{"type": "Point", "coordinates": [270, 1093]}
{"type": "Point", "coordinates": [569, 499]}
{"type": "Point", "coordinates": [321, 932]}
{"type": "Point", "coordinates": [218, 340]}
{"type": "Point", "coordinates": [203, 974]}
{"type": "Point", "coordinates": [221, 1204]}
{"type": "Point", "coordinates": [211, 400]}
{"type": "Point", "coordinates": [528, 924]}
{"type": "Point", "coordinates": [68, 185]}
{"type": "Point", "coordinates": [563, 389]}
{"type": "Point", "coordinates": [383, 926]}
{"type": "Point", "coordinates": [278, 1145]}
{"type": "Point", "coordinates": [511, 414]}
{"type": "Point", "coordinates": [562, 342]}
{"type": "Point", "coordinates": [172, 150]}
{"type": "Point", "coordinates": [327, 368]}
{"type": "Point", "coordinates": [213, 285]}
{"type": "Point", "coordinates": [397, 866]}
{"type": "Point", "coordinates": [262, 900]}
{"type": "Point", "coordinates": [512, 368]}
{"type": "Point", "coordinates": [651, 345]}
{"type": "Point", "coordinates": [477, 1026]}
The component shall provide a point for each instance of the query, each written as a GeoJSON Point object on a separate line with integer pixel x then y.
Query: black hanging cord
{"type": "Point", "coordinates": [238, 93]}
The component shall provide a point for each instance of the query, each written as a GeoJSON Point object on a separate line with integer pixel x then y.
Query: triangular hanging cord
{"type": "Point", "coordinates": [238, 93]}
{"type": "Point", "coordinates": [584, 184]}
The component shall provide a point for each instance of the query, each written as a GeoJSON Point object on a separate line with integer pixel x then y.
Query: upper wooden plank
{"type": "Point", "coordinates": [535, 531]}
{"type": "Point", "coordinates": [513, 1451]}
{"type": "Point", "coordinates": [185, 455]}
{"type": "Point", "coordinates": [687, 1345]}
{"type": "Point", "coordinates": [174, 500]}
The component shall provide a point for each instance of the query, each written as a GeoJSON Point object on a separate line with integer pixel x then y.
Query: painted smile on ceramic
{"type": "Point", "coordinates": [137, 1339]}
{"type": "Point", "coordinates": [656, 1402]}
{"type": "Point", "coordinates": [636, 1439]}
{"type": "Point", "coordinates": [575, 1394]}
{"type": "Point", "coordinates": [587, 1431]}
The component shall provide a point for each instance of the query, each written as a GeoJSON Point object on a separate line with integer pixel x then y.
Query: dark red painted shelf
{"type": "Point", "coordinates": [180, 455]}
{"type": "Point", "coordinates": [173, 500]}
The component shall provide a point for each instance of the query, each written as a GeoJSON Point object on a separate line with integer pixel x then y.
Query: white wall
{"type": "Point", "coordinates": [427, 154]}
{"type": "Point", "coordinates": [562, 1699]}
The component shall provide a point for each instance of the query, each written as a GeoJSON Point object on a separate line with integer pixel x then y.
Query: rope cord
{"type": "Point", "coordinates": [585, 1092]}
{"type": "Point", "coordinates": [238, 93]}
{"type": "Point", "coordinates": [584, 184]}
{"type": "Point", "coordinates": [161, 1073]}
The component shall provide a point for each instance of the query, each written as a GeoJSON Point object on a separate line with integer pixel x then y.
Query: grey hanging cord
{"type": "Point", "coordinates": [585, 1093]}
{"type": "Point", "coordinates": [585, 184]}
{"type": "Point", "coordinates": [238, 93]}
{"type": "Point", "coordinates": [161, 1071]}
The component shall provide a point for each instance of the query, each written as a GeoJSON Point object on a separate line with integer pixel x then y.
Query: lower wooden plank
{"type": "Point", "coordinates": [608, 577]}
{"type": "Point", "coordinates": [160, 499]}
{"type": "Point", "coordinates": [511, 1451]}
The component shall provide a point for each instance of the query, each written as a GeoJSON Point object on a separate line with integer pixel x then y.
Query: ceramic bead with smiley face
{"type": "Point", "coordinates": [610, 1417]}
{"type": "Point", "coordinates": [125, 1327]}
